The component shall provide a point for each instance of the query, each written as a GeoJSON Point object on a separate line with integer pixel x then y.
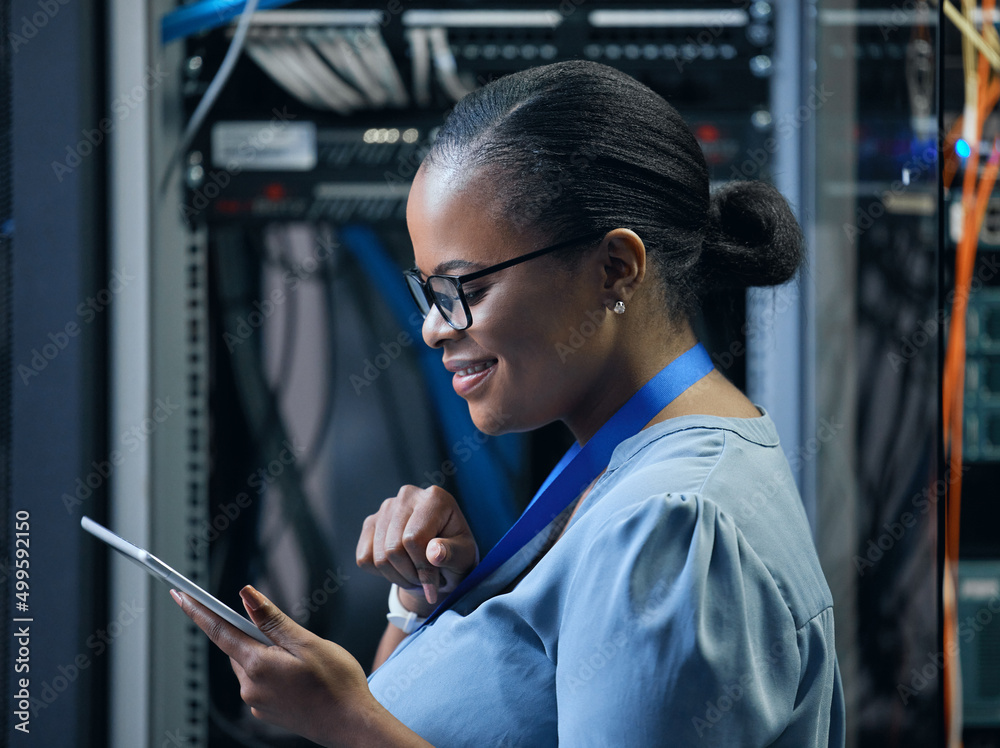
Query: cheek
{"type": "Point", "coordinates": [539, 362]}
{"type": "Point", "coordinates": [527, 336]}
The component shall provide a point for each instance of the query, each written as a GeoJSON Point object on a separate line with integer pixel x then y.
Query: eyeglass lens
{"type": "Point", "coordinates": [417, 292]}
{"type": "Point", "coordinates": [445, 294]}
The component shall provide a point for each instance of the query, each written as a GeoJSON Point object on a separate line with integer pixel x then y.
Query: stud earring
{"type": "Point", "coordinates": [619, 307]}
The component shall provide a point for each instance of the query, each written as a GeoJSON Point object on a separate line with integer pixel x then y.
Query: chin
{"type": "Point", "coordinates": [490, 421]}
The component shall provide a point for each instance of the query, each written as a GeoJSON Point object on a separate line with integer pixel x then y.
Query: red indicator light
{"type": "Point", "coordinates": [275, 192]}
{"type": "Point", "coordinates": [706, 133]}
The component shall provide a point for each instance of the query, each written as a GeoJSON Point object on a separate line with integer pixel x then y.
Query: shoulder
{"type": "Point", "coordinates": [712, 500]}
{"type": "Point", "coordinates": [703, 613]}
{"type": "Point", "coordinates": [722, 460]}
{"type": "Point", "coordinates": [689, 450]}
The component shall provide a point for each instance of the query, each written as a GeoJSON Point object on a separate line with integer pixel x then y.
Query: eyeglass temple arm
{"type": "Point", "coordinates": [522, 258]}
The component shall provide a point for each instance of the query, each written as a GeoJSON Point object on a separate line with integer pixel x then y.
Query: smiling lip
{"type": "Point", "coordinates": [469, 374]}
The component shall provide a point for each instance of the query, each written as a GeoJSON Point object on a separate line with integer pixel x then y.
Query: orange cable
{"type": "Point", "coordinates": [975, 199]}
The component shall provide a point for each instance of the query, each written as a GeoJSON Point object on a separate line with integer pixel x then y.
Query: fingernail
{"type": "Point", "coordinates": [177, 597]}
{"type": "Point", "coordinates": [251, 597]}
{"type": "Point", "coordinates": [439, 553]}
{"type": "Point", "coordinates": [430, 593]}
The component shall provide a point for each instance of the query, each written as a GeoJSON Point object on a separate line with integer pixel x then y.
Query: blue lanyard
{"type": "Point", "coordinates": [580, 465]}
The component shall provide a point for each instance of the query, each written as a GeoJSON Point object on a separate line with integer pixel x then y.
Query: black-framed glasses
{"type": "Point", "coordinates": [446, 292]}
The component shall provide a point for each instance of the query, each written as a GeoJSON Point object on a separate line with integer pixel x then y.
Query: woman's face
{"type": "Point", "coordinates": [534, 347]}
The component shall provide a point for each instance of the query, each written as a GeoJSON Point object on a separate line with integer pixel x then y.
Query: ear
{"type": "Point", "coordinates": [624, 257]}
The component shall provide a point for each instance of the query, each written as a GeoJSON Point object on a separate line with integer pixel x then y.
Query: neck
{"type": "Point", "coordinates": [621, 378]}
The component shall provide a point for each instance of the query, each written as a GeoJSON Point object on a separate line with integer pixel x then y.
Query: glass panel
{"type": "Point", "coordinates": [875, 265]}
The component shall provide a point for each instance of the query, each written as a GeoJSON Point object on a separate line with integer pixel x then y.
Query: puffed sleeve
{"type": "Point", "coordinates": [675, 633]}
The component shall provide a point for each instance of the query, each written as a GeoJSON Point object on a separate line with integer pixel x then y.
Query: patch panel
{"type": "Point", "coordinates": [981, 440]}
{"type": "Point", "coordinates": [989, 233]}
{"type": "Point", "coordinates": [979, 632]}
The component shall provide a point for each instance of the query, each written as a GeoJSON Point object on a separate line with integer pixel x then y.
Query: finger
{"type": "Point", "coordinates": [380, 524]}
{"type": "Point", "coordinates": [241, 673]}
{"type": "Point", "coordinates": [389, 554]}
{"type": "Point", "coordinates": [453, 554]}
{"type": "Point", "coordinates": [441, 552]}
{"type": "Point", "coordinates": [415, 539]}
{"type": "Point", "coordinates": [223, 634]}
{"type": "Point", "coordinates": [246, 682]}
{"type": "Point", "coordinates": [449, 544]}
{"type": "Point", "coordinates": [438, 552]}
{"type": "Point", "coordinates": [363, 552]}
{"type": "Point", "coordinates": [397, 554]}
{"type": "Point", "coordinates": [276, 626]}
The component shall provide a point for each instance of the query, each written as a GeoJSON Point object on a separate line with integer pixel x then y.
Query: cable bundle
{"type": "Point", "coordinates": [981, 62]}
{"type": "Point", "coordinates": [330, 62]}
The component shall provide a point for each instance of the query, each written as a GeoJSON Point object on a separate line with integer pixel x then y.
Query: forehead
{"type": "Point", "coordinates": [454, 219]}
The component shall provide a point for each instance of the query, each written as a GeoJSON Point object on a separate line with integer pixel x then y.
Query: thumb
{"type": "Point", "coordinates": [452, 554]}
{"type": "Point", "coordinates": [275, 625]}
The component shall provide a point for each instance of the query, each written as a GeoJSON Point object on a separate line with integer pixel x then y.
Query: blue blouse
{"type": "Point", "coordinates": [683, 606]}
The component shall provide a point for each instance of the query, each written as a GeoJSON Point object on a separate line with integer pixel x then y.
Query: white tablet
{"type": "Point", "coordinates": [172, 577]}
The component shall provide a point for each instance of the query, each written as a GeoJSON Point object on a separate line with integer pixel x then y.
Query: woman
{"type": "Point", "coordinates": [666, 592]}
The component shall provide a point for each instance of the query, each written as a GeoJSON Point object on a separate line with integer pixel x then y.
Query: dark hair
{"type": "Point", "coordinates": [579, 147]}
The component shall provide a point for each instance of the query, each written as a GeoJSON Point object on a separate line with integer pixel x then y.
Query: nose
{"type": "Point", "coordinates": [436, 331]}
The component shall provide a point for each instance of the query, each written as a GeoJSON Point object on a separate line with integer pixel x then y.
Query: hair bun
{"type": "Point", "coordinates": [753, 239]}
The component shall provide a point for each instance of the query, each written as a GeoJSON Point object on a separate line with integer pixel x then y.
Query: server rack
{"type": "Point", "coordinates": [741, 73]}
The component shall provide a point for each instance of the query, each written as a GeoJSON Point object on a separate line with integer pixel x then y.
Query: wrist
{"type": "Point", "coordinates": [414, 600]}
{"type": "Point", "coordinates": [371, 725]}
{"type": "Point", "coordinates": [407, 611]}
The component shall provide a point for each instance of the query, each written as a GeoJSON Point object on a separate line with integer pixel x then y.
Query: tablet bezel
{"type": "Point", "coordinates": [172, 577]}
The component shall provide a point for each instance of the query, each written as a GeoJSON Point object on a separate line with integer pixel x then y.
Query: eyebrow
{"type": "Point", "coordinates": [448, 267]}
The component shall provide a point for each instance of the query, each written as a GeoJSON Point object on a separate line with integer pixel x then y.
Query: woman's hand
{"type": "Point", "coordinates": [303, 683]}
{"type": "Point", "coordinates": [419, 540]}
